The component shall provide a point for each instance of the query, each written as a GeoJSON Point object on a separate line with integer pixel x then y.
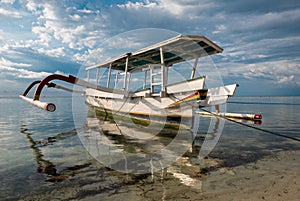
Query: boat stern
{"type": "Point", "coordinates": [218, 95]}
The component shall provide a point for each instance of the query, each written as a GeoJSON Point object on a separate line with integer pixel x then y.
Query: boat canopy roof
{"type": "Point", "coordinates": [175, 50]}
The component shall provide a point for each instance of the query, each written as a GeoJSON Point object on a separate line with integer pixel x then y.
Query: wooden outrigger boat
{"type": "Point", "coordinates": [156, 96]}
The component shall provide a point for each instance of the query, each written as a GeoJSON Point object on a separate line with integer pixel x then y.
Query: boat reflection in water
{"type": "Point", "coordinates": [168, 153]}
{"type": "Point", "coordinates": [48, 166]}
{"type": "Point", "coordinates": [131, 145]}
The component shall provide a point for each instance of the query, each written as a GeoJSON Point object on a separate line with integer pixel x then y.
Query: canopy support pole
{"type": "Point", "coordinates": [194, 68]}
{"type": "Point", "coordinates": [88, 75]}
{"type": "Point", "coordinates": [126, 71]}
{"type": "Point", "coordinates": [97, 76]}
{"type": "Point", "coordinates": [163, 74]}
{"type": "Point", "coordinates": [145, 80]}
{"type": "Point", "coordinates": [108, 76]}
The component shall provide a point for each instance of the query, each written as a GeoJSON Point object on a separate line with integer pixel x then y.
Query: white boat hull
{"type": "Point", "coordinates": [168, 106]}
{"type": "Point", "coordinates": [147, 106]}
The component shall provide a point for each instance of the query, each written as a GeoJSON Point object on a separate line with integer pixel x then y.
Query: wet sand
{"type": "Point", "coordinates": [273, 177]}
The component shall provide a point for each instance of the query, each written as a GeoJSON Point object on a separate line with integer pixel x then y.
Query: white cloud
{"type": "Point", "coordinates": [33, 6]}
{"type": "Point", "coordinates": [7, 1]}
{"type": "Point", "coordinates": [12, 69]}
{"type": "Point", "coordinates": [85, 11]}
{"type": "Point", "coordinates": [91, 57]}
{"type": "Point", "coordinates": [75, 17]}
{"type": "Point", "coordinates": [286, 79]}
{"type": "Point", "coordinates": [74, 29]}
{"type": "Point", "coordinates": [44, 35]}
{"type": "Point", "coordinates": [21, 73]}
{"type": "Point", "coordinates": [5, 62]}
{"type": "Point", "coordinates": [138, 5]}
{"type": "Point", "coordinates": [179, 9]}
{"type": "Point", "coordinates": [219, 29]}
{"type": "Point", "coordinates": [267, 20]}
{"type": "Point", "coordinates": [58, 52]}
{"type": "Point", "coordinates": [10, 13]}
{"type": "Point", "coordinates": [121, 42]}
{"type": "Point", "coordinates": [49, 12]}
{"type": "Point", "coordinates": [282, 72]}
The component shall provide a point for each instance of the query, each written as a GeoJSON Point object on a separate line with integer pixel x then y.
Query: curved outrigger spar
{"type": "Point", "coordinates": [156, 97]}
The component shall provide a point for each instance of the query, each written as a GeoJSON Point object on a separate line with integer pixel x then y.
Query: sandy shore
{"type": "Point", "coordinates": [274, 177]}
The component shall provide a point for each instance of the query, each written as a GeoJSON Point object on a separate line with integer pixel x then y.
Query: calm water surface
{"type": "Point", "coordinates": [38, 149]}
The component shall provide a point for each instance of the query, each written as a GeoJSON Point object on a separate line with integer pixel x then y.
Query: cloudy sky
{"type": "Point", "coordinates": [261, 38]}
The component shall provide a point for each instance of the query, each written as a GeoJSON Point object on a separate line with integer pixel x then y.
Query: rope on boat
{"type": "Point", "coordinates": [250, 126]}
{"type": "Point", "coordinates": [262, 103]}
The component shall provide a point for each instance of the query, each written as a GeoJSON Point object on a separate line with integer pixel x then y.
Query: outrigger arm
{"type": "Point", "coordinates": [47, 82]}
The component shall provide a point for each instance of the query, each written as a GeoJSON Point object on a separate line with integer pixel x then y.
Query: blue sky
{"type": "Point", "coordinates": [261, 38]}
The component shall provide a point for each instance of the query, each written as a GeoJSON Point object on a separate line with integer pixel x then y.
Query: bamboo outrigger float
{"type": "Point", "coordinates": [157, 97]}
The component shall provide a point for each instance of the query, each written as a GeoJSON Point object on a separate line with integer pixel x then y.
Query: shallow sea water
{"type": "Point", "coordinates": [41, 152]}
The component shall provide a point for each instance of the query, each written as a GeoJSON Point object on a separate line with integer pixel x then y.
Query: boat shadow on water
{"type": "Point", "coordinates": [133, 145]}
{"type": "Point", "coordinates": [45, 166]}
{"type": "Point", "coordinates": [122, 141]}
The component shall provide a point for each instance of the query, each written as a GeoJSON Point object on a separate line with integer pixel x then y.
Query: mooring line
{"type": "Point", "coordinates": [247, 125]}
{"type": "Point", "coordinates": [262, 103]}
